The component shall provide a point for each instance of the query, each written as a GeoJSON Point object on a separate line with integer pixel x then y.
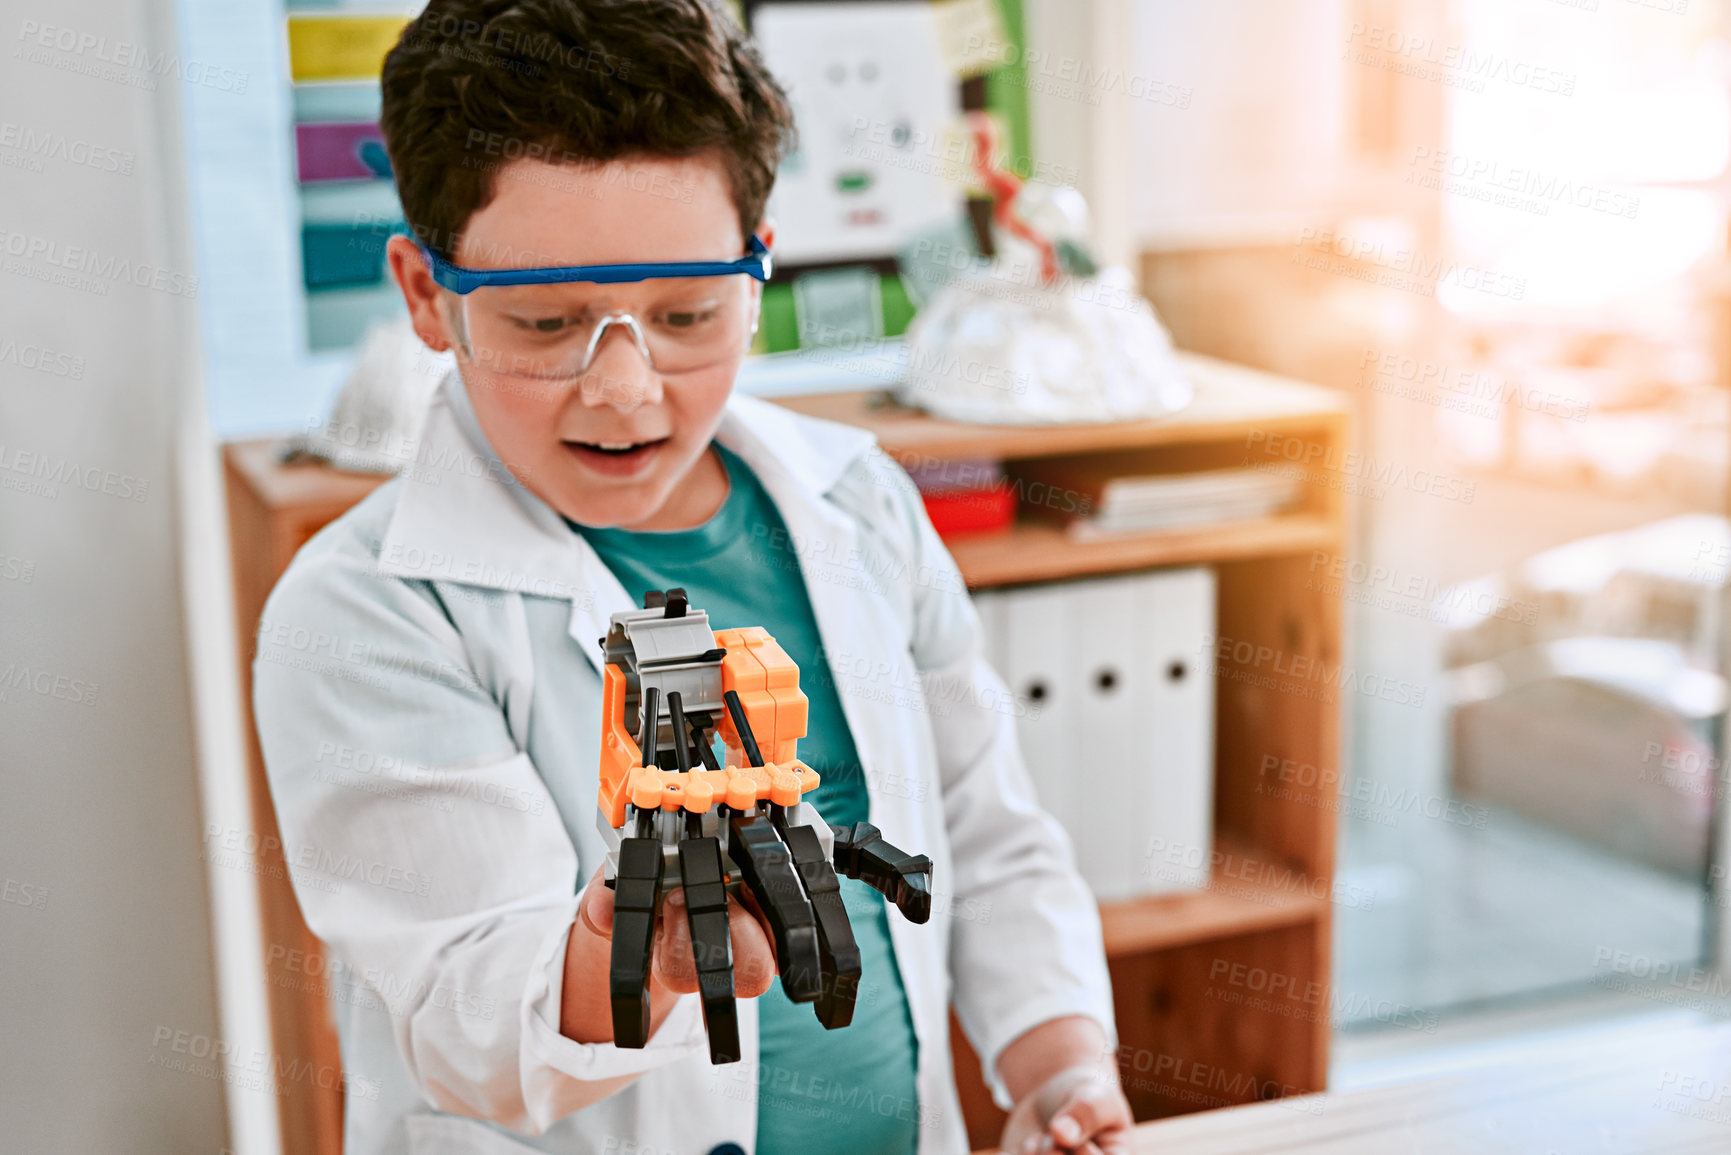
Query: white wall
{"type": "Point", "coordinates": [105, 939]}
{"type": "Point", "coordinates": [1191, 124]}
{"type": "Point", "coordinates": [261, 379]}
{"type": "Point", "coordinates": [1242, 134]}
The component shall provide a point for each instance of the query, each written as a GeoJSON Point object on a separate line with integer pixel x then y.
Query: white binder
{"type": "Point", "coordinates": [1120, 709]}
{"type": "Point", "coordinates": [1180, 725]}
{"type": "Point", "coordinates": [1039, 665]}
{"type": "Point", "coordinates": [1110, 744]}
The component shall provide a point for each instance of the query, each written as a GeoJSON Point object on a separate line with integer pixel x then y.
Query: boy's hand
{"type": "Point", "coordinates": [585, 1010]}
{"type": "Point", "coordinates": [1081, 1110]}
{"type": "Point", "coordinates": [1064, 1081]}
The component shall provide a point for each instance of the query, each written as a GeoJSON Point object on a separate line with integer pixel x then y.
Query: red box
{"type": "Point", "coordinates": [970, 510]}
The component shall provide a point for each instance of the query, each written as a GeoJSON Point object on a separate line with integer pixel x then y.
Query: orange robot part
{"type": "Point", "coordinates": [695, 791]}
{"type": "Point", "coordinates": [767, 681]}
{"type": "Point", "coordinates": [620, 753]}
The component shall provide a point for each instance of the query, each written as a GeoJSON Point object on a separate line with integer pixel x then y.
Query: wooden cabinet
{"type": "Point", "coordinates": [1198, 1023]}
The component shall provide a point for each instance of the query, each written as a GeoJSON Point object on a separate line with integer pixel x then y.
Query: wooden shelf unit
{"type": "Point", "coordinates": [273, 510]}
{"type": "Point", "coordinates": [1274, 852]}
{"type": "Point", "coordinates": [1182, 964]}
{"type": "Point", "coordinates": [1040, 553]}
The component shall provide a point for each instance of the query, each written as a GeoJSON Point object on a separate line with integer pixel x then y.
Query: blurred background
{"type": "Point", "coordinates": [1498, 231]}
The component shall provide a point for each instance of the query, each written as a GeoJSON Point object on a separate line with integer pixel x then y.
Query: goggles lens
{"type": "Point", "coordinates": [553, 332]}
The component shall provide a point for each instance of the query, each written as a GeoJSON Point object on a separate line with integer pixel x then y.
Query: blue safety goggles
{"type": "Point", "coordinates": [756, 263]}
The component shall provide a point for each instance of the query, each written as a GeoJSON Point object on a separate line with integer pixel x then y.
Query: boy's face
{"type": "Point", "coordinates": [616, 444]}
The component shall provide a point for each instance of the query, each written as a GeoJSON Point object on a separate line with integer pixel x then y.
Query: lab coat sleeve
{"type": "Point", "coordinates": [424, 847]}
{"type": "Point", "coordinates": [1025, 942]}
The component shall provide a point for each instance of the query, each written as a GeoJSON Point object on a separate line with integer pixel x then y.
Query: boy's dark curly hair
{"type": "Point", "coordinates": [473, 84]}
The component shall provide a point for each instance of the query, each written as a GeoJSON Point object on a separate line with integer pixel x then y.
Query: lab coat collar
{"type": "Point", "coordinates": [814, 454]}
{"type": "Point", "coordinates": [462, 516]}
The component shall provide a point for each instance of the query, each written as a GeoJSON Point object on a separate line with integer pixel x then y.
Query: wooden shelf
{"type": "Point", "coordinates": [1035, 552]}
{"type": "Point", "coordinates": [1230, 401]}
{"type": "Point", "coordinates": [1225, 908]}
{"type": "Point", "coordinates": [314, 489]}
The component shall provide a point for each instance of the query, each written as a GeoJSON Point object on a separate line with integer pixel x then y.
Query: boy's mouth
{"type": "Point", "coordinates": [615, 458]}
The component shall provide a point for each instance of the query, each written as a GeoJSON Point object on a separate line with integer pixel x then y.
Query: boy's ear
{"type": "Point", "coordinates": [420, 292]}
{"type": "Point", "coordinates": [766, 230]}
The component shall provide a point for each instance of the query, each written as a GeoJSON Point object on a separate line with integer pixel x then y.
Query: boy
{"type": "Point", "coordinates": [428, 689]}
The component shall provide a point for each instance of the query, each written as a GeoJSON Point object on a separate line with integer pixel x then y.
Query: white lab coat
{"type": "Point", "coordinates": [427, 695]}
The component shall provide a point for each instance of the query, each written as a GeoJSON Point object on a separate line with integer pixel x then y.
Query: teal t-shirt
{"type": "Point", "coordinates": [854, 1086]}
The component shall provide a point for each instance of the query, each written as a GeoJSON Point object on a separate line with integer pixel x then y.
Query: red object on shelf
{"type": "Point", "coordinates": [970, 510]}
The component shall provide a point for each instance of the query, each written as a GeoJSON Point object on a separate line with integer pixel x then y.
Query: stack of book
{"type": "Point", "coordinates": [1103, 506]}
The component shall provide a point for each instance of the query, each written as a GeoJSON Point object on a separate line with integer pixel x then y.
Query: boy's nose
{"type": "Point", "coordinates": [619, 376]}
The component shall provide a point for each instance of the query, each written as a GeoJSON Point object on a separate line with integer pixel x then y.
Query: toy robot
{"type": "Point", "coordinates": [672, 817]}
